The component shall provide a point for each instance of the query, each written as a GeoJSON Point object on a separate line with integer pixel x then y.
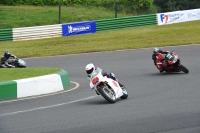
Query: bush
{"type": "Point", "coordinates": [126, 6]}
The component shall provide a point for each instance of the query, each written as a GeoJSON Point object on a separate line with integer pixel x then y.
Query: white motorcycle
{"type": "Point", "coordinates": [107, 87]}
{"type": "Point", "coordinates": [18, 63]}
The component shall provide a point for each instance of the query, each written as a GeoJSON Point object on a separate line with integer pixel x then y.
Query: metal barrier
{"type": "Point", "coordinates": [50, 31]}
{"type": "Point", "coordinates": [126, 22]}
{"type": "Point", "coordinates": [37, 32]}
{"type": "Point", "coordinates": [6, 35]}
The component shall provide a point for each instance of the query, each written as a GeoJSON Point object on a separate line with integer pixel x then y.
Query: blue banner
{"type": "Point", "coordinates": [78, 28]}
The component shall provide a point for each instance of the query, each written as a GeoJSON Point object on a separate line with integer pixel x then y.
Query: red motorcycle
{"type": "Point", "coordinates": [170, 63]}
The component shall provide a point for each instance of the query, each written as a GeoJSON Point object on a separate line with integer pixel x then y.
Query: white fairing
{"type": "Point", "coordinates": [21, 62]}
{"type": "Point", "coordinates": [112, 83]}
{"type": "Point", "coordinates": [175, 58]}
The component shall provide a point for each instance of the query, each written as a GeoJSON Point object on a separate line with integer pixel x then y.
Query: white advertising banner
{"type": "Point", "coordinates": [178, 16]}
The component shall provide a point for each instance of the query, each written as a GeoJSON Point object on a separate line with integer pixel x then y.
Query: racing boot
{"type": "Point", "coordinates": [161, 70]}
{"type": "Point", "coordinates": [121, 85]}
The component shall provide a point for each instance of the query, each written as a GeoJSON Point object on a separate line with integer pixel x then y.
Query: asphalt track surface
{"type": "Point", "coordinates": [157, 103]}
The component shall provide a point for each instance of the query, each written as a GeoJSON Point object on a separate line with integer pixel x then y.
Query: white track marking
{"type": "Point", "coordinates": [44, 95]}
{"type": "Point", "coordinates": [40, 108]}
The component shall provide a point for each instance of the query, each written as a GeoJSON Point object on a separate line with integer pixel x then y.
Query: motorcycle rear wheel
{"type": "Point", "coordinates": [184, 69]}
{"type": "Point", "coordinates": [108, 94]}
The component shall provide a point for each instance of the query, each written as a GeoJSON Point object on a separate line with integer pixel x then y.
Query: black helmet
{"type": "Point", "coordinates": [7, 54]}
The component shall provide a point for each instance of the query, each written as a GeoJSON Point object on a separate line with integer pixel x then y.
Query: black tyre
{"type": "Point", "coordinates": [21, 67]}
{"type": "Point", "coordinates": [108, 94]}
{"type": "Point", "coordinates": [125, 96]}
{"type": "Point", "coordinates": [184, 69]}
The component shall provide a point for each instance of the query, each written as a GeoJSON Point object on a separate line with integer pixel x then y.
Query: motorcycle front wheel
{"type": "Point", "coordinates": [184, 69]}
{"type": "Point", "coordinates": [125, 94]}
{"type": "Point", "coordinates": [107, 93]}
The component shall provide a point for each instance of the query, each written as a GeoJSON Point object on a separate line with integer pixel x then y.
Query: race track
{"type": "Point", "coordinates": [157, 103]}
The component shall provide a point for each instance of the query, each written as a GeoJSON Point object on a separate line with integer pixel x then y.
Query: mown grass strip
{"type": "Point", "coordinates": [21, 73]}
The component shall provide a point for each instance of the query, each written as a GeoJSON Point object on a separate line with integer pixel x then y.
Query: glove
{"type": "Point", "coordinates": [112, 74]}
{"type": "Point", "coordinates": [88, 77]}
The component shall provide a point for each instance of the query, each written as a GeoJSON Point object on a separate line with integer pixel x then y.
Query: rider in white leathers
{"type": "Point", "coordinates": [90, 68]}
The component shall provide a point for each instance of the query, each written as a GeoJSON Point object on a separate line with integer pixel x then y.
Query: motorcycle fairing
{"type": "Point", "coordinates": [160, 57]}
{"type": "Point", "coordinates": [114, 85]}
{"type": "Point", "coordinates": [171, 58]}
{"type": "Point", "coordinates": [97, 79]}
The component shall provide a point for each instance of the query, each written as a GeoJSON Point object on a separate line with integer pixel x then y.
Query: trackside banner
{"type": "Point", "coordinates": [78, 28]}
{"type": "Point", "coordinates": [178, 16]}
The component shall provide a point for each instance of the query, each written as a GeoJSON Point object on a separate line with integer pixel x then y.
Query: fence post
{"type": "Point", "coordinates": [115, 9]}
{"type": "Point", "coordinates": [59, 13]}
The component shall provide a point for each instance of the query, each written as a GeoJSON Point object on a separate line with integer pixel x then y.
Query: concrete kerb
{"type": "Point", "coordinates": [34, 86]}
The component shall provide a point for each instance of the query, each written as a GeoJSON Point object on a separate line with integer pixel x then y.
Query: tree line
{"type": "Point", "coordinates": [128, 6]}
{"type": "Point", "coordinates": [175, 5]}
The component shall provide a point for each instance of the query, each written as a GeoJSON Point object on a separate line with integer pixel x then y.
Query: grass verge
{"type": "Point", "coordinates": [21, 73]}
{"type": "Point", "coordinates": [130, 38]}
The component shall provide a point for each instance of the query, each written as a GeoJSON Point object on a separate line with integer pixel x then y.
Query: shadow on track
{"type": "Point", "coordinates": [164, 74]}
{"type": "Point", "coordinates": [99, 101]}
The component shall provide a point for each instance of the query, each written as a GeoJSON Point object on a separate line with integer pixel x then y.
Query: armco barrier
{"type": "Point", "coordinates": [6, 35]}
{"type": "Point", "coordinates": [126, 22]}
{"type": "Point", "coordinates": [34, 86]}
{"type": "Point", "coordinates": [50, 31]}
{"type": "Point", "coordinates": [37, 32]}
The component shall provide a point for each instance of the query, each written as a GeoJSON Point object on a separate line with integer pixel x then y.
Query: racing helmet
{"type": "Point", "coordinates": [155, 50]}
{"type": "Point", "coordinates": [7, 54]}
{"type": "Point", "coordinates": [89, 68]}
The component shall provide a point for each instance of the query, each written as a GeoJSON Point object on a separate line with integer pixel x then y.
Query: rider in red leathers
{"type": "Point", "coordinates": [159, 57]}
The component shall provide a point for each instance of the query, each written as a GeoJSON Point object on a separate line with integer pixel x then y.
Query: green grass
{"type": "Point", "coordinates": [21, 73]}
{"type": "Point", "coordinates": [130, 38]}
{"type": "Point", "coordinates": [25, 16]}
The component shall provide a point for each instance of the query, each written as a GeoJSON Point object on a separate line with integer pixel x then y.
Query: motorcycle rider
{"type": "Point", "coordinates": [4, 60]}
{"type": "Point", "coordinates": [157, 51]}
{"type": "Point", "coordinates": [90, 68]}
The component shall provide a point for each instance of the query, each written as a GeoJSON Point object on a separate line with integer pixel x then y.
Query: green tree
{"type": "Point", "coordinates": [187, 4]}
{"type": "Point", "coordinates": [175, 5]}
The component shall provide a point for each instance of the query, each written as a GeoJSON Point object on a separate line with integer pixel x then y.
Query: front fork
{"type": "Point", "coordinates": [177, 64]}
{"type": "Point", "coordinates": [105, 84]}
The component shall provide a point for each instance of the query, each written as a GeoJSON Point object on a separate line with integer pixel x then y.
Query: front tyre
{"type": "Point", "coordinates": [107, 93]}
{"type": "Point", "coordinates": [125, 96]}
{"type": "Point", "coordinates": [184, 69]}
{"type": "Point", "coordinates": [22, 67]}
